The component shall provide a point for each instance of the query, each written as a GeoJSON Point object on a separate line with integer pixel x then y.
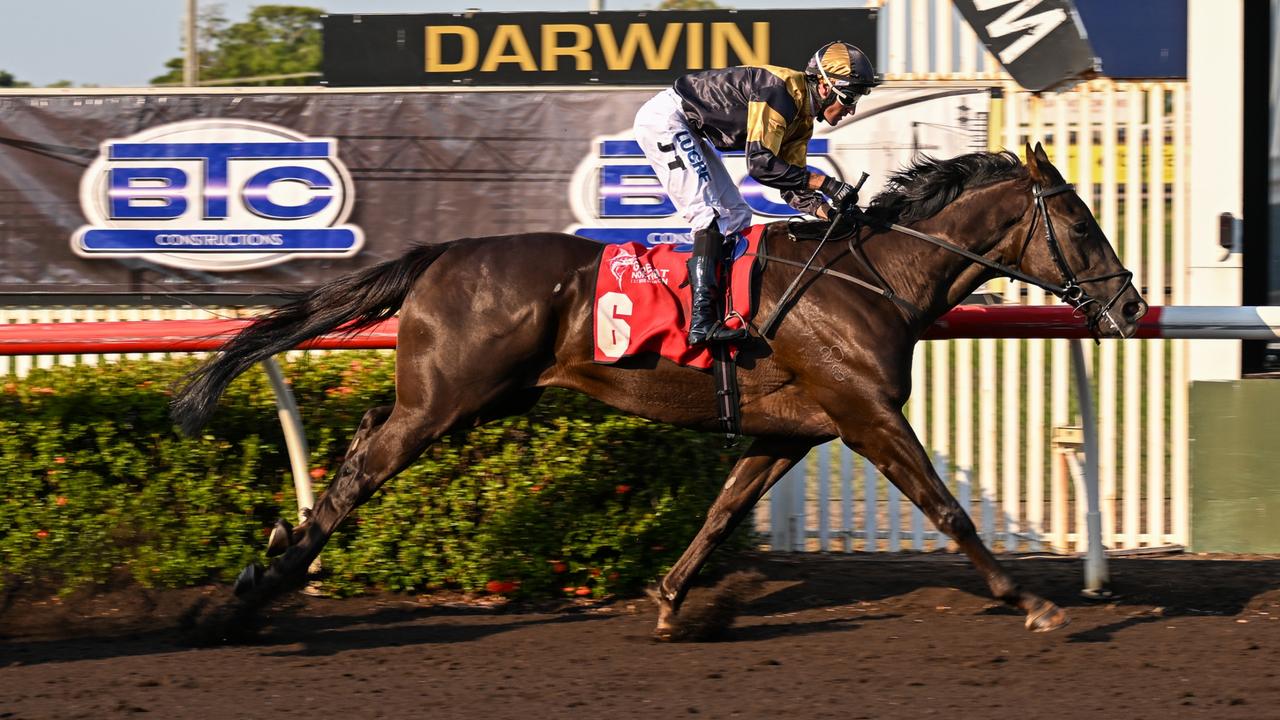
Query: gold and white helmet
{"type": "Point", "coordinates": [846, 70]}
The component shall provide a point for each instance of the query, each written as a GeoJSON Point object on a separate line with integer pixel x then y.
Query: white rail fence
{"type": "Point", "coordinates": [996, 414]}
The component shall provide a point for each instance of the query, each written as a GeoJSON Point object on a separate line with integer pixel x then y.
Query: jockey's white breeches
{"type": "Point", "coordinates": [688, 167]}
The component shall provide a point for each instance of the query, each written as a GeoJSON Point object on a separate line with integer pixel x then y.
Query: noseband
{"type": "Point", "coordinates": [1072, 290]}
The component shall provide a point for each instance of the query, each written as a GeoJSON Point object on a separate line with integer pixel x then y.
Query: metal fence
{"type": "Point", "coordinates": [996, 414]}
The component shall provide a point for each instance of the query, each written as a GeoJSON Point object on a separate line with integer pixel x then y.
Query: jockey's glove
{"type": "Point", "coordinates": [842, 194]}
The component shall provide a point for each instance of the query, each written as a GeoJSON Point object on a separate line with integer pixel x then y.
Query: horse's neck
{"type": "Point", "coordinates": [983, 220]}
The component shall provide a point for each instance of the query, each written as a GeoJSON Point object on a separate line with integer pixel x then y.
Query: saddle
{"type": "Point", "coordinates": [815, 230]}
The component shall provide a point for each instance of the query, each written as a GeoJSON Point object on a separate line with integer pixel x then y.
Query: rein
{"type": "Point", "coordinates": [1071, 291]}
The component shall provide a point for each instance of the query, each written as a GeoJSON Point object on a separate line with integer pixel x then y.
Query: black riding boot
{"type": "Point", "coordinates": [705, 311]}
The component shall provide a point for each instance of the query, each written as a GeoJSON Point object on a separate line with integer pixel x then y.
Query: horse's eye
{"type": "Point", "coordinates": [1080, 228]}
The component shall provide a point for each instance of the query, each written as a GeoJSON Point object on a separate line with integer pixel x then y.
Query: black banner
{"type": "Point", "coordinates": [610, 48]}
{"type": "Point", "coordinates": [235, 193]}
{"type": "Point", "coordinates": [253, 193]}
{"type": "Point", "coordinates": [1041, 44]}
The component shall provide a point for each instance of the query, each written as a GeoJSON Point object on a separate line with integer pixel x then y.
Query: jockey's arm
{"type": "Point", "coordinates": [773, 159]}
{"type": "Point", "coordinates": [784, 166]}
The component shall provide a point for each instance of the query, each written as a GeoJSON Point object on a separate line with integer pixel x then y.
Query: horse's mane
{"type": "Point", "coordinates": [922, 190]}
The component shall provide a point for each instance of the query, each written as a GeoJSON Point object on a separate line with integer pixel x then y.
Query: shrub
{"type": "Point", "coordinates": [572, 495]}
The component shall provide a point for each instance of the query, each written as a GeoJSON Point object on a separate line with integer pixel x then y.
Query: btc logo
{"type": "Point", "coordinates": [616, 197]}
{"type": "Point", "coordinates": [217, 195]}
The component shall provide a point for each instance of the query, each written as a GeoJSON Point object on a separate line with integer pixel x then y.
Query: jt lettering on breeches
{"type": "Point", "coordinates": [689, 147]}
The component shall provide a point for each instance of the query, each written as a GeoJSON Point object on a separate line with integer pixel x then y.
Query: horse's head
{"type": "Point", "coordinates": [1064, 246]}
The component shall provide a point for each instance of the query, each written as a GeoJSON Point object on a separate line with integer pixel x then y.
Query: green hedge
{"type": "Point", "coordinates": [571, 498]}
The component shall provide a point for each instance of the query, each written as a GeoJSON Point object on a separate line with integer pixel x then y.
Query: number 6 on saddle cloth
{"type": "Point", "coordinates": [641, 303]}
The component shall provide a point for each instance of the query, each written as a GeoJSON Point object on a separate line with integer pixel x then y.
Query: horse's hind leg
{"type": "Point", "coordinates": [436, 392]}
{"type": "Point", "coordinates": [885, 437]}
{"type": "Point", "coordinates": [284, 536]}
{"type": "Point", "coordinates": [378, 452]}
{"type": "Point", "coordinates": [764, 462]}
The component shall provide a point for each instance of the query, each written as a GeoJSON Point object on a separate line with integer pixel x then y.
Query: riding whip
{"type": "Point", "coordinates": [766, 329]}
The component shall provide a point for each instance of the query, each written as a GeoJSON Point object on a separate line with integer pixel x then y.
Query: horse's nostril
{"type": "Point", "coordinates": [1134, 310]}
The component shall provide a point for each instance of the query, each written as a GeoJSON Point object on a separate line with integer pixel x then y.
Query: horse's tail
{"type": "Point", "coordinates": [351, 302]}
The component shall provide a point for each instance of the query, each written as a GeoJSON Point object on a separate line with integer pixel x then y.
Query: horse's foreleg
{"type": "Point", "coordinates": [764, 462]}
{"type": "Point", "coordinates": [886, 438]}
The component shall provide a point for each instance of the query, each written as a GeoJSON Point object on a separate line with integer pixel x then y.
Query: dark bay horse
{"type": "Point", "coordinates": [486, 324]}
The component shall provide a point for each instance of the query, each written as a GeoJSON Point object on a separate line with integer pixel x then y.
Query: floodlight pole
{"type": "Point", "coordinates": [190, 68]}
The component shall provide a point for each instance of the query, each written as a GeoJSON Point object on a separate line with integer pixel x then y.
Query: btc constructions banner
{"type": "Point", "coordinates": [251, 193]}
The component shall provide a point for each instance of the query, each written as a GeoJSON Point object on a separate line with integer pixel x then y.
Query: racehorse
{"type": "Point", "coordinates": [487, 324]}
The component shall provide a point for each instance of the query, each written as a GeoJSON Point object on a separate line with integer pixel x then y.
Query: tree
{"type": "Point", "coordinates": [274, 40]}
{"type": "Point", "coordinates": [8, 80]}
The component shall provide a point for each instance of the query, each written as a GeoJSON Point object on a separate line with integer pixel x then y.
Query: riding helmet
{"type": "Point", "coordinates": [846, 70]}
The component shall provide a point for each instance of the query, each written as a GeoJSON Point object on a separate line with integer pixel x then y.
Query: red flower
{"type": "Point", "coordinates": [558, 567]}
{"type": "Point", "coordinates": [61, 501]}
{"type": "Point", "coordinates": [582, 591]}
{"type": "Point", "coordinates": [622, 489]}
{"type": "Point", "coordinates": [317, 473]}
{"type": "Point", "coordinates": [60, 460]}
{"type": "Point", "coordinates": [42, 534]}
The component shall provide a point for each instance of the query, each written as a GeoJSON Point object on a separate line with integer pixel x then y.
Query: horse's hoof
{"type": "Point", "coordinates": [248, 579]}
{"type": "Point", "coordinates": [664, 634]}
{"type": "Point", "coordinates": [281, 538]}
{"type": "Point", "coordinates": [1046, 618]}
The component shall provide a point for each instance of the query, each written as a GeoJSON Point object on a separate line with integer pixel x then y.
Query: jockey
{"type": "Point", "coordinates": [768, 112]}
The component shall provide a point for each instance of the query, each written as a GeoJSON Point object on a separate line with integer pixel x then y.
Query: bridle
{"type": "Point", "coordinates": [1072, 290]}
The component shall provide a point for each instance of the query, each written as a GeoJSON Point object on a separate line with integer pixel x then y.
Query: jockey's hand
{"type": "Point", "coordinates": [842, 194]}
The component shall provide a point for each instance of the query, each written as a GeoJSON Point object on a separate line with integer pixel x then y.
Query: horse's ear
{"type": "Point", "coordinates": [1041, 155]}
{"type": "Point", "coordinates": [1033, 162]}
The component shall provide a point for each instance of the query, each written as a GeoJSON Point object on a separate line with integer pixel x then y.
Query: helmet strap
{"type": "Point", "coordinates": [820, 103]}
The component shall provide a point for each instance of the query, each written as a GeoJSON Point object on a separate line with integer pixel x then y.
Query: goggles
{"type": "Point", "coordinates": [850, 96]}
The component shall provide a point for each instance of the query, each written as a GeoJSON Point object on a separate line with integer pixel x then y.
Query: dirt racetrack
{"type": "Point", "coordinates": [825, 636]}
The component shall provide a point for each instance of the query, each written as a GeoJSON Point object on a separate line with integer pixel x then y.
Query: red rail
{"type": "Point", "coordinates": [966, 321]}
{"type": "Point", "coordinates": [161, 336]}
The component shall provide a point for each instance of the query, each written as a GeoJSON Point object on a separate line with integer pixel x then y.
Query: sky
{"type": "Point", "coordinates": [125, 43]}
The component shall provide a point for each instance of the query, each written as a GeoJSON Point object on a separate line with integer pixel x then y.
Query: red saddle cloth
{"type": "Point", "coordinates": [641, 306]}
